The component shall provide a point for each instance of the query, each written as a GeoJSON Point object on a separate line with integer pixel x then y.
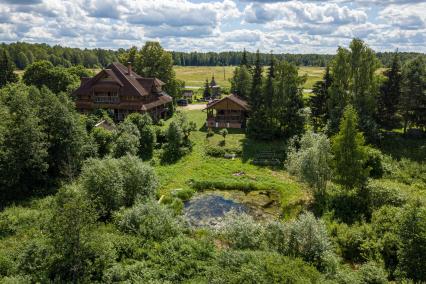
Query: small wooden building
{"type": "Point", "coordinates": [188, 95]}
{"type": "Point", "coordinates": [229, 112]}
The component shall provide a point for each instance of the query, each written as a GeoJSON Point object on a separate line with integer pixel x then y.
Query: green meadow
{"type": "Point", "coordinates": [195, 76]}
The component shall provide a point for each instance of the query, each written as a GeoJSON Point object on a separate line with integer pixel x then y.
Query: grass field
{"type": "Point", "coordinates": [195, 76]}
{"type": "Point", "coordinates": [200, 167]}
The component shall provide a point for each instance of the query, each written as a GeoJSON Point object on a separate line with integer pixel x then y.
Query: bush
{"type": "Point", "coordinates": [183, 194]}
{"type": "Point", "coordinates": [260, 267]}
{"type": "Point", "coordinates": [112, 183]}
{"type": "Point", "coordinates": [385, 193]}
{"type": "Point", "coordinates": [220, 152]}
{"type": "Point", "coordinates": [242, 232]}
{"type": "Point", "coordinates": [182, 258]}
{"type": "Point", "coordinates": [277, 236]}
{"type": "Point", "coordinates": [357, 243]}
{"type": "Point", "coordinates": [35, 260]}
{"type": "Point", "coordinates": [150, 221]}
{"type": "Point", "coordinates": [372, 273]}
{"type": "Point", "coordinates": [309, 240]}
{"type": "Point", "coordinates": [374, 162]}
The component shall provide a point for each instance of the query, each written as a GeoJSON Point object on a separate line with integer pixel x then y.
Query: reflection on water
{"type": "Point", "coordinates": [208, 209]}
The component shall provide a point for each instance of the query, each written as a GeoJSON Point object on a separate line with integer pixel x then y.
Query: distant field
{"type": "Point", "coordinates": [195, 76]}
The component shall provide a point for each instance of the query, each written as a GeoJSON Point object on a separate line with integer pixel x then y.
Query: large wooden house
{"type": "Point", "coordinates": [229, 112]}
{"type": "Point", "coordinates": [121, 91]}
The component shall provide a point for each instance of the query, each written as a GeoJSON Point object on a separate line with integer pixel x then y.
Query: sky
{"type": "Point", "coordinates": [217, 25]}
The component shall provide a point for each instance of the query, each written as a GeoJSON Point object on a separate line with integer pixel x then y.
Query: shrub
{"type": "Point", "coordinates": [219, 152]}
{"type": "Point", "coordinates": [35, 260]}
{"type": "Point", "coordinates": [150, 221]}
{"type": "Point", "coordinates": [259, 267]}
{"type": "Point", "coordinates": [242, 232]}
{"type": "Point", "coordinates": [374, 162]}
{"type": "Point", "coordinates": [277, 236]}
{"type": "Point", "coordinates": [357, 243]}
{"type": "Point", "coordinates": [112, 183]}
{"type": "Point", "coordinates": [184, 194]}
{"type": "Point", "coordinates": [412, 235]}
{"type": "Point", "coordinates": [182, 258]}
{"type": "Point", "coordinates": [385, 193]}
{"type": "Point", "coordinates": [372, 273]}
{"type": "Point", "coordinates": [309, 240]}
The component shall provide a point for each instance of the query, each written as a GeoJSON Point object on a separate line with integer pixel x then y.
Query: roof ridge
{"type": "Point", "coordinates": [127, 78]}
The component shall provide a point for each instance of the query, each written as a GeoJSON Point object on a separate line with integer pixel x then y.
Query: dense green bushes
{"type": "Point", "coordinates": [112, 183]}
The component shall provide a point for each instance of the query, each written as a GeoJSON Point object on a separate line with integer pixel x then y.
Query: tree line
{"type": "Point", "coordinates": [23, 54]}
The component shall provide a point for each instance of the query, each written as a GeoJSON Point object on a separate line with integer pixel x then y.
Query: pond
{"type": "Point", "coordinates": [209, 208]}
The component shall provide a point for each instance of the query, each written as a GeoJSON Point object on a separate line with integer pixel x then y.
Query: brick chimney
{"type": "Point", "coordinates": [129, 68]}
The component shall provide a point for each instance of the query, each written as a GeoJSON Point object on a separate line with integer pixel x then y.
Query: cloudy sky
{"type": "Point", "coordinates": [215, 25]}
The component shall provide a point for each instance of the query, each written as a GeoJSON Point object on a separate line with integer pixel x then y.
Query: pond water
{"type": "Point", "coordinates": [208, 209]}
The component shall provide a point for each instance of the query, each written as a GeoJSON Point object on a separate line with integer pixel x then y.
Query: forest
{"type": "Point", "coordinates": [85, 204]}
{"type": "Point", "coordinates": [23, 54]}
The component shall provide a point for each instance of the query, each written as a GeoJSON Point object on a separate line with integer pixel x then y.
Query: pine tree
{"type": "Point", "coordinates": [349, 152]}
{"type": "Point", "coordinates": [413, 99]}
{"type": "Point", "coordinates": [244, 61]}
{"type": "Point", "coordinates": [256, 84]}
{"type": "Point", "coordinates": [390, 93]}
{"type": "Point", "coordinates": [269, 87]}
{"type": "Point", "coordinates": [7, 69]}
{"type": "Point", "coordinates": [318, 101]}
{"type": "Point", "coordinates": [207, 93]}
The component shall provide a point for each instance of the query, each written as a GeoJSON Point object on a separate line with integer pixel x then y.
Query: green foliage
{"type": "Point", "coordinates": [412, 234]}
{"type": "Point", "coordinates": [103, 139]}
{"type": "Point", "coordinates": [372, 273]}
{"type": "Point", "coordinates": [112, 183]}
{"type": "Point", "coordinates": [153, 61]}
{"type": "Point", "coordinates": [68, 142]}
{"type": "Point", "coordinates": [349, 152]}
{"type": "Point", "coordinates": [223, 132]}
{"type": "Point", "coordinates": [413, 100]}
{"type": "Point", "coordinates": [150, 222]}
{"type": "Point", "coordinates": [241, 82]}
{"type": "Point", "coordinates": [57, 79]}
{"type": "Point", "coordinates": [242, 232]}
{"type": "Point", "coordinates": [147, 134]}
{"type": "Point", "coordinates": [311, 163]}
{"type": "Point", "coordinates": [260, 267]}
{"type": "Point", "coordinates": [318, 101]}
{"type": "Point", "coordinates": [23, 143]}
{"type": "Point", "coordinates": [390, 94]}
{"type": "Point", "coordinates": [7, 74]}
{"type": "Point", "coordinates": [127, 140]}
{"type": "Point", "coordinates": [80, 255]}
{"type": "Point", "coordinates": [357, 243]}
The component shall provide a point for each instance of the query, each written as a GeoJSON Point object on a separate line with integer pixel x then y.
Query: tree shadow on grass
{"type": "Point", "coordinates": [399, 146]}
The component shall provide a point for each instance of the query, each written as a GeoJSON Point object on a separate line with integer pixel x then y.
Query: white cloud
{"type": "Point", "coordinates": [282, 26]}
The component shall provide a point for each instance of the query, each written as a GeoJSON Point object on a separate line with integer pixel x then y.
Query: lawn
{"type": "Point", "coordinates": [198, 166]}
{"type": "Point", "coordinates": [195, 76]}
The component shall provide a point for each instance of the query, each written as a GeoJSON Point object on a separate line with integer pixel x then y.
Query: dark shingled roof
{"type": "Point", "coordinates": [131, 84]}
{"type": "Point", "coordinates": [236, 99]}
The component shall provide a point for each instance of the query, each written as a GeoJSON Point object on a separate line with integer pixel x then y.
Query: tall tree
{"type": "Point", "coordinates": [390, 93]}
{"type": "Point", "coordinates": [338, 92]}
{"type": "Point", "coordinates": [241, 82]}
{"type": "Point", "coordinates": [147, 134]}
{"type": "Point", "coordinates": [153, 61]}
{"type": "Point", "coordinates": [318, 101]}
{"type": "Point", "coordinates": [413, 99]}
{"type": "Point", "coordinates": [349, 152]}
{"type": "Point", "coordinates": [256, 98]}
{"type": "Point", "coordinates": [289, 100]}
{"type": "Point", "coordinates": [269, 91]}
{"type": "Point", "coordinates": [7, 69]}
{"type": "Point", "coordinates": [23, 143]}
{"type": "Point", "coordinates": [206, 93]}
{"type": "Point", "coordinates": [244, 61]}
{"type": "Point", "coordinates": [68, 143]}
{"type": "Point", "coordinates": [363, 86]}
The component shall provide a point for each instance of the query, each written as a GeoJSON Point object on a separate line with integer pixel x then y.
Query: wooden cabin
{"type": "Point", "coordinates": [229, 112]}
{"type": "Point", "coordinates": [121, 91]}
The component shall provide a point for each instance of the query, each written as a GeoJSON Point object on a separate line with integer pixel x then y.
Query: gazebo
{"type": "Point", "coordinates": [230, 112]}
